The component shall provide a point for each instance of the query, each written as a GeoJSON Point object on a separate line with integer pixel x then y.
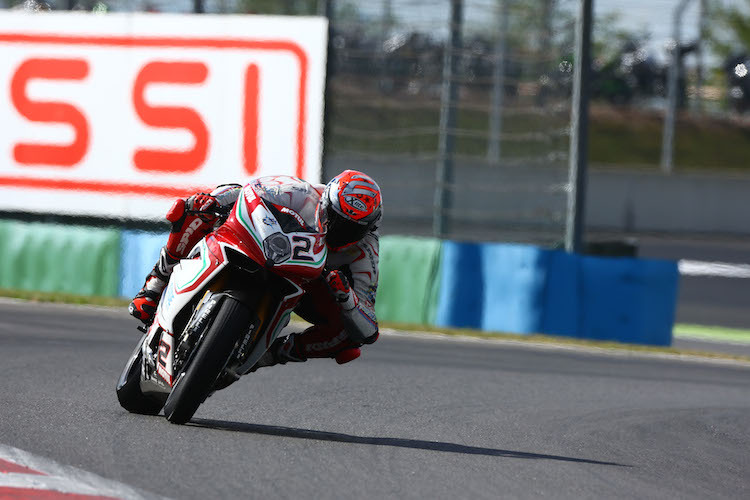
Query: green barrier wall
{"type": "Point", "coordinates": [57, 258]}
{"type": "Point", "coordinates": [408, 284]}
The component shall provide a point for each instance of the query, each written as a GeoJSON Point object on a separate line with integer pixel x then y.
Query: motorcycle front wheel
{"type": "Point", "coordinates": [196, 379]}
{"type": "Point", "coordinates": [129, 386]}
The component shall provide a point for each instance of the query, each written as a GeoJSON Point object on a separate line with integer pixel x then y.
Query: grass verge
{"type": "Point", "coordinates": [620, 137]}
{"type": "Point", "coordinates": [63, 298]}
{"type": "Point", "coordinates": [713, 333]}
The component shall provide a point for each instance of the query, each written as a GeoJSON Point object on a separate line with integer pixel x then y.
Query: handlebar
{"type": "Point", "coordinates": [217, 211]}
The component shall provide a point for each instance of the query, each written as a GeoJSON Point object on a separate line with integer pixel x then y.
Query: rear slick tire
{"type": "Point", "coordinates": [195, 382]}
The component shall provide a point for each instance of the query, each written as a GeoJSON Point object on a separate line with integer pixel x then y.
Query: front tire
{"type": "Point", "coordinates": [195, 381]}
{"type": "Point", "coordinates": [129, 386]}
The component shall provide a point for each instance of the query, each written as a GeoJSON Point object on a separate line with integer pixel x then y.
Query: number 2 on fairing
{"type": "Point", "coordinates": [302, 248]}
{"type": "Point", "coordinates": [163, 353]}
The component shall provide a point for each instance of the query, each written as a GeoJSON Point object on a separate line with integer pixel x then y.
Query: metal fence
{"type": "Point", "coordinates": [459, 108]}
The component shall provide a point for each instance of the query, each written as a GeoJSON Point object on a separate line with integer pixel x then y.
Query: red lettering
{"type": "Point", "coordinates": [50, 112]}
{"type": "Point", "coordinates": [250, 120]}
{"type": "Point", "coordinates": [157, 160]}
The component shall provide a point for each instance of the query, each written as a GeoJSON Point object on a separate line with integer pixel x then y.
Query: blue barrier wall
{"type": "Point", "coordinates": [563, 310]}
{"type": "Point", "coordinates": [138, 254]}
{"type": "Point", "coordinates": [461, 286]}
{"type": "Point", "coordinates": [514, 278]}
{"type": "Point", "coordinates": [525, 289]}
{"type": "Point", "coordinates": [628, 300]}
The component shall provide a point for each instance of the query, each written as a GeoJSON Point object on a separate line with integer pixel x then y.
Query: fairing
{"type": "Point", "coordinates": [252, 222]}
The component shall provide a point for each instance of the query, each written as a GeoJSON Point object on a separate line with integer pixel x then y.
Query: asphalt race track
{"type": "Point", "coordinates": [412, 418]}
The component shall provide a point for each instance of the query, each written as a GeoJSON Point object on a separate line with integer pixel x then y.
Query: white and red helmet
{"type": "Point", "coordinates": [350, 207]}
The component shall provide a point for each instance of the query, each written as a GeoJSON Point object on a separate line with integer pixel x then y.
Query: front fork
{"type": "Point", "coordinates": [159, 350]}
{"type": "Point", "coordinates": [160, 345]}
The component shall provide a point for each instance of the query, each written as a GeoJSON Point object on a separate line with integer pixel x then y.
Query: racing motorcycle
{"type": "Point", "coordinates": [227, 301]}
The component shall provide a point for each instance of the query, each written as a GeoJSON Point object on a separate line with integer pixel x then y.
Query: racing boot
{"type": "Point", "coordinates": [285, 350]}
{"type": "Point", "coordinates": [281, 352]}
{"type": "Point", "coordinates": [143, 306]}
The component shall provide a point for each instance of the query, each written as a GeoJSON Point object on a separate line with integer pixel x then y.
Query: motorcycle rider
{"type": "Point", "coordinates": [340, 305]}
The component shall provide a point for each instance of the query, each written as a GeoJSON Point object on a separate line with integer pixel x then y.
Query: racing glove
{"type": "Point", "coordinates": [203, 205]}
{"type": "Point", "coordinates": [339, 287]}
{"type": "Point", "coordinates": [192, 219]}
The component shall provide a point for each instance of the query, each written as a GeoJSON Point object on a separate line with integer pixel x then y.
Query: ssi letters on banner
{"type": "Point", "coordinates": [115, 115]}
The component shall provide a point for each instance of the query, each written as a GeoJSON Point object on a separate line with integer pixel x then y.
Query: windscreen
{"type": "Point", "coordinates": [292, 193]}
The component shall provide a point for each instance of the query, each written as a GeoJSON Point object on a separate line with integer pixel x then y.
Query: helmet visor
{"type": "Point", "coordinates": [342, 231]}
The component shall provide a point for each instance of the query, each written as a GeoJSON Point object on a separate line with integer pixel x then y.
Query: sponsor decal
{"type": "Point", "coordinates": [294, 214]}
{"type": "Point", "coordinates": [371, 293]}
{"type": "Point", "coordinates": [246, 340]}
{"type": "Point", "coordinates": [356, 203]}
{"type": "Point", "coordinates": [373, 259]}
{"type": "Point", "coordinates": [322, 346]}
{"type": "Point", "coordinates": [268, 221]}
{"type": "Point", "coordinates": [368, 315]}
{"type": "Point", "coordinates": [198, 98]}
{"type": "Point", "coordinates": [187, 234]}
{"type": "Point", "coordinates": [169, 296]}
{"type": "Point", "coordinates": [203, 318]}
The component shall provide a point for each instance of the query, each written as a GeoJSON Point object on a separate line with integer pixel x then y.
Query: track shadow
{"type": "Point", "coordinates": [272, 430]}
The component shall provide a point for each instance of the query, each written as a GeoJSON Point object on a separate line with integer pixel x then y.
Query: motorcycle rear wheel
{"type": "Point", "coordinates": [129, 387]}
{"type": "Point", "coordinates": [196, 380]}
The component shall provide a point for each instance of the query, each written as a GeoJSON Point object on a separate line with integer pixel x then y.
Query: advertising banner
{"type": "Point", "coordinates": [115, 115]}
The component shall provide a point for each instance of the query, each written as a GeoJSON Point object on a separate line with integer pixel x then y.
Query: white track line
{"type": "Point", "coordinates": [52, 476]}
{"type": "Point", "coordinates": [715, 269]}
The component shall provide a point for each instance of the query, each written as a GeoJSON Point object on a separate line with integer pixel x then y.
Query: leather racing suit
{"type": "Point", "coordinates": [335, 326]}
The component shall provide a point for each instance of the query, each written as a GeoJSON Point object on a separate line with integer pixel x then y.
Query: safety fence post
{"type": "Point", "coordinates": [446, 134]}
